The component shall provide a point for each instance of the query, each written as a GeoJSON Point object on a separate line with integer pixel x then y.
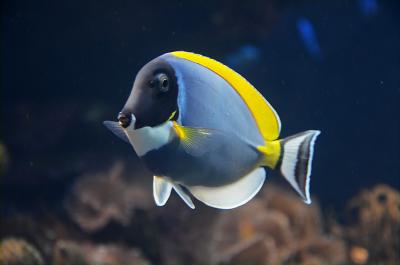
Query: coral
{"type": "Point", "coordinates": [273, 229]}
{"type": "Point", "coordinates": [242, 235]}
{"type": "Point", "coordinates": [374, 224]}
{"type": "Point", "coordinates": [97, 199]}
{"type": "Point", "coordinates": [19, 252]}
{"type": "Point", "coordinates": [184, 236]}
{"type": "Point", "coordinates": [41, 228]}
{"type": "Point", "coordinates": [70, 252]}
{"type": "Point", "coordinates": [321, 250]}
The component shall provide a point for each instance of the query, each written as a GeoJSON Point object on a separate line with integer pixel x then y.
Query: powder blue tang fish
{"type": "Point", "coordinates": [204, 130]}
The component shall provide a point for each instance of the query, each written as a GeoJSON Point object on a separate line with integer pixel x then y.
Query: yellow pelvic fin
{"type": "Point", "coordinates": [265, 116]}
{"type": "Point", "coordinates": [271, 152]}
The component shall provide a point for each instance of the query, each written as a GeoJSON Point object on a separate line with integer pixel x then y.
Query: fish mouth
{"type": "Point", "coordinates": [129, 122]}
{"type": "Point", "coordinates": [125, 120]}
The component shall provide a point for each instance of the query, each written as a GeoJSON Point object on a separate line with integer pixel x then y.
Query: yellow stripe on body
{"type": "Point", "coordinates": [265, 116]}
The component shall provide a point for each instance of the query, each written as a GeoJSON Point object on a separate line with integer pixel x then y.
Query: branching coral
{"type": "Point", "coordinates": [275, 228]}
{"type": "Point", "coordinates": [97, 199]}
{"type": "Point", "coordinates": [374, 225]}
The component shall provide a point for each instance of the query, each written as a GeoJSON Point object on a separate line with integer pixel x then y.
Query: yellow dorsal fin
{"type": "Point", "coordinates": [265, 116]}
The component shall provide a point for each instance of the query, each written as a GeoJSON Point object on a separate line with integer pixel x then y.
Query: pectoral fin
{"type": "Point", "coordinates": [196, 141]}
{"type": "Point", "coordinates": [116, 129]}
{"type": "Point", "coordinates": [231, 195]}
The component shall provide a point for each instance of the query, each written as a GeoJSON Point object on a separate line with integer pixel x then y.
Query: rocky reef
{"type": "Point", "coordinates": [373, 232]}
{"type": "Point", "coordinates": [70, 252]}
{"type": "Point", "coordinates": [108, 219]}
{"type": "Point", "coordinates": [99, 198]}
{"type": "Point", "coordinates": [274, 229]}
{"type": "Point", "coordinates": [15, 251]}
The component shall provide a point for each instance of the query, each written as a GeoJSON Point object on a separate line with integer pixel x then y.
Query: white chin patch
{"type": "Point", "coordinates": [148, 138]}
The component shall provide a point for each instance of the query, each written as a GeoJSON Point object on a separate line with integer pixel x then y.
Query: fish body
{"type": "Point", "coordinates": [228, 157]}
{"type": "Point", "coordinates": [198, 124]}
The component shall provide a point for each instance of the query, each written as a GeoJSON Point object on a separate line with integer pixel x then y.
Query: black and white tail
{"type": "Point", "coordinates": [296, 159]}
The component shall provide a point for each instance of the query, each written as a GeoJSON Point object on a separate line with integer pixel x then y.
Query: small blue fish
{"type": "Point", "coordinates": [309, 37]}
{"type": "Point", "coordinates": [368, 7]}
{"type": "Point", "coordinates": [244, 56]}
{"type": "Point", "coordinates": [203, 129]}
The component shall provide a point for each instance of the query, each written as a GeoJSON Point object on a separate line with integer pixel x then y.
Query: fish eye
{"type": "Point", "coordinates": [162, 82]}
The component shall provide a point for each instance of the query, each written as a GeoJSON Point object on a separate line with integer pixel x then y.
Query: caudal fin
{"type": "Point", "coordinates": [296, 159]}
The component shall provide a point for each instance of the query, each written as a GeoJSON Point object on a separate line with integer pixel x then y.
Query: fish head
{"type": "Point", "coordinates": [153, 98]}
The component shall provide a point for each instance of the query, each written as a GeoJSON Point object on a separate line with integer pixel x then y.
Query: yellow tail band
{"type": "Point", "coordinates": [272, 152]}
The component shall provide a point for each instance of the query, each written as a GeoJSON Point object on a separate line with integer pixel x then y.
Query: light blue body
{"type": "Point", "coordinates": [205, 100]}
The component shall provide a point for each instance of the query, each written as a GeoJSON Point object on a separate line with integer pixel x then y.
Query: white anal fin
{"type": "Point", "coordinates": [116, 129]}
{"type": "Point", "coordinates": [185, 197]}
{"type": "Point", "coordinates": [231, 195]}
{"type": "Point", "coordinates": [161, 190]}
